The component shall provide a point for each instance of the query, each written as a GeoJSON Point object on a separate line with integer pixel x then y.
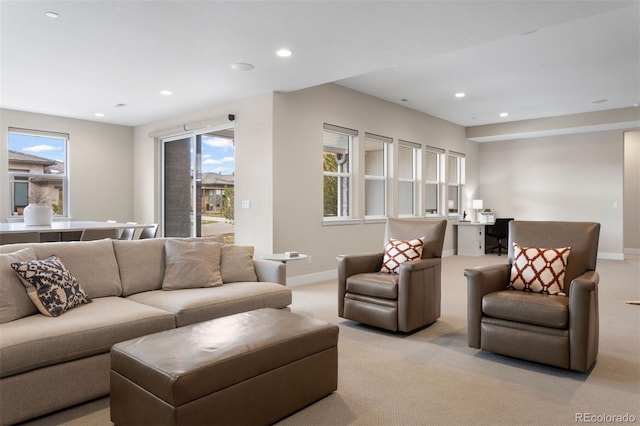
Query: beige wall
{"type": "Point", "coordinates": [100, 164]}
{"type": "Point", "coordinates": [576, 177]}
{"type": "Point", "coordinates": [254, 168]}
{"type": "Point", "coordinates": [298, 196]}
{"type": "Point", "coordinates": [279, 168]}
{"type": "Point", "coordinates": [632, 192]}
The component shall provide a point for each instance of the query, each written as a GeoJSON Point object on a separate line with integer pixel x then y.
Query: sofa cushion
{"type": "Point", "coordinates": [529, 308]}
{"type": "Point", "coordinates": [191, 264]}
{"type": "Point", "coordinates": [200, 304]}
{"type": "Point", "coordinates": [540, 270]}
{"type": "Point", "coordinates": [400, 251]}
{"type": "Point", "coordinates": [93, 263]}
{"type": "Point", "coordinates": [141, 264]}
{"type": "Point", "coordinates": [14, 301]}
{"type": "Point", "coordinates": [236, 263]}
{"type": "Point", "coordinates": [51, 287]}
{"type": "Point", "coordinates": [374, 284]}
{"type": "Point", "coordinates": [38, 341]}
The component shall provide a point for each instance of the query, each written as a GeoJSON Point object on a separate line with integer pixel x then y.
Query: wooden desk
{"type": "Point", "coordinates": [64, 230]}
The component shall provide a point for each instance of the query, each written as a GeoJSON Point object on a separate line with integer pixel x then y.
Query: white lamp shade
{"type": "Point", "coordinates": [477, 204]}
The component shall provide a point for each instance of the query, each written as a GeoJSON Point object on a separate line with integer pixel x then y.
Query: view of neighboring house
{"type": "Point", "coordinates": [36, 180]}
{"type": "Point", "coordinates": [213, 191]}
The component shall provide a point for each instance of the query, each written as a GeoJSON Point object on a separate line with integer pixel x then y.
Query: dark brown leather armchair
{"type": "Point", "coordinates": [397, 302]}
{"type": "Point", "coordinates": [557, 330]}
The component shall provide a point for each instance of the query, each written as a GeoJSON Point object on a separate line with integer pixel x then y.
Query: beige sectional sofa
{"type": "Point", "coordinates": [49, 363]}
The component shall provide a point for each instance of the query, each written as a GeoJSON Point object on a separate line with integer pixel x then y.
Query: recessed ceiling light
{"type": "Point", "coordinates": [166, 92]}
{"type": "Point", "coordinates": [504, 114]}
{"type": "Point", "coordinates": [600, 101]}
{"type": "Point", "coordinates": [460, 95]}
{"type": "Point", "coordinates": [99, 114]}
{"type": "Point", "coordinates": [404, 100]}
{"type": "Point", "coordinates": [52, 14]}
{"type": "Point", "coordinates": [284, 52]}
{"type": "Point", "coordinates": [241, 67]}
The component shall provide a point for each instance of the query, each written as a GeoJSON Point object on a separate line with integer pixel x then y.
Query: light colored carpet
{"type": "Point", "coordinates": [431, 377]}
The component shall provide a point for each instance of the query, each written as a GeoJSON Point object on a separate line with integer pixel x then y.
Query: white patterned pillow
{"type": "Point", "coordinates": [400, 251]}
{"type": "Point", "coordinates": [50, 285]}
{"type": "Point", "coordinates": [539, 270]}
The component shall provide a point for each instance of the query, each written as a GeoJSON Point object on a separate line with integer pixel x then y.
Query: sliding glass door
{"type": "Point", "coordinates": [198, 184]}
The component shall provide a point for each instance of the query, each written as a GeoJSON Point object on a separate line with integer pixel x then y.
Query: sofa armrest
{"type": "Point", "coordinates": [480, 281]}
{"type": "Point", "coordinates": [270, 271]}
{"type": "Point", "coordinates": [352, 264]}
{"type": "Point", "coordinates": [583, 321]}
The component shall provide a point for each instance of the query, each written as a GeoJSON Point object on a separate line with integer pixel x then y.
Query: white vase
{"type": "Point", "coordinates": [38, 214]}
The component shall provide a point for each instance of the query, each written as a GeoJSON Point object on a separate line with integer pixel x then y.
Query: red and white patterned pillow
{"type": "Point", "coordinates": [399, 251]}
{"type": "Point", "coordinates": [539, 270]}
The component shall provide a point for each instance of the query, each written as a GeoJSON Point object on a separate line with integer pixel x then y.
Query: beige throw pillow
{"type": "Point", "coordinates": [237, 264]}
{"type": "Point", "coordinates": [14, 301]}
{"type": "Point", "coordinates": [191, 264]}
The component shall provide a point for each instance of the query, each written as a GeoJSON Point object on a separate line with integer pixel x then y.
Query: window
{"type": "Point", "coordinates": [337, 170]}
{"type": "Point", "coordinates": [455, 182]}
{"type": "Point", "coordinates": [433, 180]}
{"type": "Point", "coordinates": [37, 164]}
{"type": "Point", "coordinates": [408, 178]}
{"type": "Point", "coordinates": [376, 153]}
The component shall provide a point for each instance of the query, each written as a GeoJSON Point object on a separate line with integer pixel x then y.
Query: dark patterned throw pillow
{"type": "Point", "coordinates": [50, 285]}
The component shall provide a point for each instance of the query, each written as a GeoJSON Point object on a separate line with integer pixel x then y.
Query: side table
{"type": "Point", "coordinates": [283, 257]}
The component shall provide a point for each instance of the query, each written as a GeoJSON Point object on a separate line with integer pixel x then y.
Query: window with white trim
{"type": "Point", "coordinates": [38, 167]}
{"type": "Point", "coordinates": [337, 171]}
{"type": "Point", "coordinates": [408, 178]}
{"type": "Point", "coordinates": [376, 154]}
{"type": "Point", "coordinates": [433, 180]}
{"type": "Point", "coordinates": [455, 182]}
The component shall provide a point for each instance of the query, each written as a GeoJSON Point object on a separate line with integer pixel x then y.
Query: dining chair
{"type": "Point", "coordinates": [98, 234]}
{"type": "Point", "coordinates": [149, 232]}
{"type": "Point", "coordinates": [128, 233]}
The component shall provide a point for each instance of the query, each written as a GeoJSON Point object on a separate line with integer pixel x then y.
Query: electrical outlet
{"type": "Point", "coordinates": [309, 260]}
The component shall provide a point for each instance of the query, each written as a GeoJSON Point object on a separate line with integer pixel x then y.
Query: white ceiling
{"type": "Point", "coordinates": [528, 58]}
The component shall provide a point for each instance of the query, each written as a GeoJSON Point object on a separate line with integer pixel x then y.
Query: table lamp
{"type": "Point", "coordinates": [477, 206]}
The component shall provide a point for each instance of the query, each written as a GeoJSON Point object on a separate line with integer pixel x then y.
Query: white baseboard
{"type": "Point", "coordinates": [610, 256]}
{"type": "Point", "coordinates": [312, 278]}
{"type": "Point", "coordinates": [447, 253]}
{"type": "Point", "coordinates": [631, 251]}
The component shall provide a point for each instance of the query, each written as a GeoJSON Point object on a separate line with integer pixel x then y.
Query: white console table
{"type": "Point", "coordinates": [471, 238]}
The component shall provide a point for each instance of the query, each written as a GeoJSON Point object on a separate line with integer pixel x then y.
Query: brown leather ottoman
{"type": "Point", "coordinates": [251, 368]}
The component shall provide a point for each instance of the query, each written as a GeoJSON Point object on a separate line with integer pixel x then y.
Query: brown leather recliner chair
{"type": "Point", "coordinates": [557, 330]}
{"type": "Point", "coordinates": [398, 302]}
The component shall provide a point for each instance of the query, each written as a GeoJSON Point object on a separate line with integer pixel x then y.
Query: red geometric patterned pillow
{"type": "Point", "coordinates": [399, 251]}
{"type": "Point", "coordinates": [539, 270]}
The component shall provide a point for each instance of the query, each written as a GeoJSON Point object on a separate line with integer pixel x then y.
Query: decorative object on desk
{"type": "Point", "coordinates": [486, 216]}
{"type": "Point", "coordinates": [464, 215]}
{"type": "Point", "coordinates": [38, 211]}
{"type": "Point", "coordinates": [291, 253]}
{"type": "Point", "coordinates": [477, 206]}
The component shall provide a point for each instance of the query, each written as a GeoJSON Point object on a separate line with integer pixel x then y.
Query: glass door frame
{"type": "Point", "coordinates": [194, 158]}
